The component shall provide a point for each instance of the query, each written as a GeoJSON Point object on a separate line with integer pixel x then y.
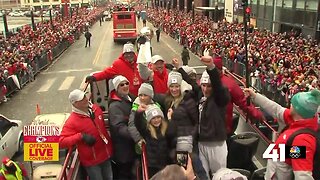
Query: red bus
{"type": "Point", "coordinates": [124, 26]}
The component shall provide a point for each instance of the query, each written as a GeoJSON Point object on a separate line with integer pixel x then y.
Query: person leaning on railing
{"type": "Point", "coordinates": [237, 98]}
{"type": "Point", "coordinates": [301, 115]}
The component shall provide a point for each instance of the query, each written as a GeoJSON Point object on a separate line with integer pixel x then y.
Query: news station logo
{"type": "Point", "coordinates": [295, 152]}
{"type": "Point", "coordinates": [283, 152]}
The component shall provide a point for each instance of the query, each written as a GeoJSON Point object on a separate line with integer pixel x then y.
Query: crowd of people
{"type": "Point", "coordinates": [171, 112]}
{"type": "Point", "coordinates": [281, 63]}
{"type": "Point", "coordinates": [20, 52]}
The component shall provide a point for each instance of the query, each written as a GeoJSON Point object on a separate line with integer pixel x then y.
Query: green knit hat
{"type": "Point", "coordinates": [306, 103]}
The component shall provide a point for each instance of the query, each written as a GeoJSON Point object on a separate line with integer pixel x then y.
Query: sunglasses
{"type": "Point", "coordinates": [122, 84]}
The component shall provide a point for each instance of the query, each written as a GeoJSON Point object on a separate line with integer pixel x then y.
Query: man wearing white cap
{"type": "Point", "coordinates": [85, 129]}
{"type": "Point", "coordinates": [158, 75]}
{"type": "Point", "coordinates": [212, 129]}
{"type": "Point", "coordinates": [125, 65]}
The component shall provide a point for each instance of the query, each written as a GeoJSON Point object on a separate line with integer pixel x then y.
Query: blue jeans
{"type": "Point", "coordinates": [101, 171]}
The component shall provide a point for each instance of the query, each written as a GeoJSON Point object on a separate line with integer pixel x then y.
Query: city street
{"type": "Point", "coordinates": [52, 86]}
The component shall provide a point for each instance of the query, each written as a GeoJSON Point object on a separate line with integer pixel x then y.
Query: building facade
{"type": "Point", "coordinates": [301, 16]}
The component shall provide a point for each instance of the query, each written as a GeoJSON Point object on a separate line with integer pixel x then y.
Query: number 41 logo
{"type": "Point", "coordinates": [271, 153]}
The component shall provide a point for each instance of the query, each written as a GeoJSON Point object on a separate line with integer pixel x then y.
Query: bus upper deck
{"type": "Point", "coordinates": [251, 137]}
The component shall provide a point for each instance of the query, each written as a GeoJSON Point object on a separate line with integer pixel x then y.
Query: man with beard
{"type": "Point", "coordinates": [12, 170]}
{"type": "Point", "coordinates": [126, 66]}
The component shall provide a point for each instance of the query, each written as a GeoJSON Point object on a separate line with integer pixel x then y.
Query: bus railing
{"type": "Point", "coordinates": [244, 114]}
{"type": "Point", "coordinates": [144, 164]}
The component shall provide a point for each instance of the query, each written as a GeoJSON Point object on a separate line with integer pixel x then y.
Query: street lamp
{"type": "Point", "coordinates": [5, 23]}
{"type": "Point", "coordinates": [41, 10]}
{"type": "Point", "coordinates": [192, 11]}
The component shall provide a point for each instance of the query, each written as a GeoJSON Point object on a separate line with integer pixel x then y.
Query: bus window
{"type": "Point", "coordinates": [124, 16]}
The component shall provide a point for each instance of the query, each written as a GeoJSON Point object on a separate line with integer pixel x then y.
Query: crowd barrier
{"type": "Point", "coordinates": [39, 63]}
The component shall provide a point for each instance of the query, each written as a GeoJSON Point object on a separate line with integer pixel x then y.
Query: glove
{"type": "Point", "coordinates": [138, 146]}
{"type": "Point", "coordinates": [90, 79]}
{"type": "Point", "coordinates": [88, 139]}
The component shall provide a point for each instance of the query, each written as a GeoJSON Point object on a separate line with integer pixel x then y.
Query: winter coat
{"type": "Point", "coordinates": [292, 168]}
{"type": "Point", "coordinates": [158, 150]}
{"type": "Point", "coordinates": [87, 35]}
{"type": "Point", "coordinates": [212, 118]}
{"type": "Point", "coordinates": [212, 122]}
{"type": "Point", "coordinates": [186, 116]}
{"type": "Point", "coordinates": [71, 135]}
{"type": "Point", "coordinates": [238, 98]}
{"type": "Point", "coordinates": [159, 80]}
{"type": "Point", "coordinates": [119, 111]}
{"type": "Point", "coordinates": [131, 126]}
{"type": "Point", "coordinates": [185, 55]}
{"type": "Point", "coordinates": [122, 67]}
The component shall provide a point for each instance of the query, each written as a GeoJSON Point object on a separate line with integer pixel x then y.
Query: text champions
{"type": "Point", "coordinates": [41, 130]}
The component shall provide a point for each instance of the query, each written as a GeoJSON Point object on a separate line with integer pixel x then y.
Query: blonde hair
{"type": "Point", "coordinates": [163, 128]}
{"type": "Point", "coordinates": [171, 101]}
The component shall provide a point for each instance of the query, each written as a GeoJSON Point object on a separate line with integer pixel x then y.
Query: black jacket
{"type": "Point", "coordinates": [212, 123]}
{"type": "Point", "coordinates": [158, 150]}
{"type": "Point", "coordinates": [185, 117]}
{"type": "Point", "coordinates": [119, 111]}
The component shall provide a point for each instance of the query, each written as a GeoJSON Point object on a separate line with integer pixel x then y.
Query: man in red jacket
{"type": "Point", "coordinates": [237, 98]}
{"type": "Point", "coordinates": [85, 129]}
{"type": "Point", "coordinates": [126, 66]}
{"type": "Point", "coordinates": [157, 75]}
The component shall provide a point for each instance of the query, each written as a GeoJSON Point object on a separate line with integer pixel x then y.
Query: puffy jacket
{"type": "Point", "coordinates": [119, 111]}
{"type": "Point", "coordinates": [238, 98]}
{"type": "Point", "coordinates": [71, 136]}
{"type": "Point", "coordinates": [298, 169]}
{"type": "Point", "coordinates": [158, 150]}
{"type": "Point", "coordinates": [122, 67]}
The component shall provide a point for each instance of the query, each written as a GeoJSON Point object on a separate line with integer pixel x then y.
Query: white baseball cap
{"type": "Point", "coordinates": [76, 95]}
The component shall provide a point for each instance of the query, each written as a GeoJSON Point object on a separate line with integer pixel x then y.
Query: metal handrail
{"type": "Point", "coordinates": [145, 174]}
{"type": "Point", "coordinates": [243, 114]}
{"type": "Point", "coordinates": [73, 167]}
{"type": "Point", "coordinates": [63, 173]}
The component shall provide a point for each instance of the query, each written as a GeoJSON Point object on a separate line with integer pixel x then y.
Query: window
{"type": "Point", "coordinates": [312, 5]}
{"type": "Point", "coordinates": [279, 3]}
{"type": "Point", "coordinates": [253, 2]}
{"type": "Point", "coordinates": [300, 4]}
{"type": "Point", "coordinates": [124, 16]}
{"type": "Point", "coordinates": [5, 129]}
{"type": "Point", "coordinates": [262, 2]}
{"type": "Point", "coordinates": [287, 3]}
{"type": "Point", "coordinates": [129, 26]}
{"type": "Point", "coordinates": [120, 26]}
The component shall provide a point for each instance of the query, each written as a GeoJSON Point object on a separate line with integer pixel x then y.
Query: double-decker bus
{"type": "Point", "coordinates": [124, 26]}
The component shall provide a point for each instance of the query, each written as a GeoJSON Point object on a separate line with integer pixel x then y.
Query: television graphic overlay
{"type": "Point", "coordinates": [283, 152]}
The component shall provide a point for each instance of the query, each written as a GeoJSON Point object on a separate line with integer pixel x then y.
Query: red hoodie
{"type": "Point", "coordinates": [238, 98]}
{"type": "Point", "coordinates": [122, 67]}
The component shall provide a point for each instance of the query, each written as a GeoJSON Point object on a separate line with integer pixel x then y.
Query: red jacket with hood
{"type": "Point", "coordinates": [122, 67]}
{"type": "Point", "coordinates": [71, 135]}
{"type": "Point", "coordinates": [238, 98]}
